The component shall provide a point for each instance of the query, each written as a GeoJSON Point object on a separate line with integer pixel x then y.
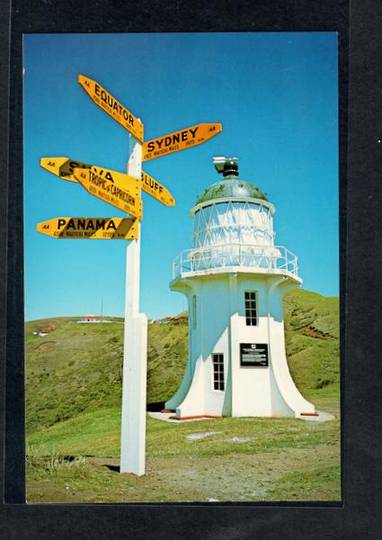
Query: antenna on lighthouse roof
{"type": "Point", "coordinates": [226, 165]}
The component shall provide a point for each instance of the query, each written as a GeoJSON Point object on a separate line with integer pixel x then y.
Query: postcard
{"type": "Point", "coordinates": [181, 267]}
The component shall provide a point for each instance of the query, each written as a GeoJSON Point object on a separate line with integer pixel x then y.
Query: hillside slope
{"type": "Point", "coordinates": [312, 340]}
{"type": "Point", "coordinates": [78, 367]}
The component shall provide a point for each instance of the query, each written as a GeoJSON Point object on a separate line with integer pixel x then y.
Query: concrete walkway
{"type": "Point", "coordinates": [169, 417]}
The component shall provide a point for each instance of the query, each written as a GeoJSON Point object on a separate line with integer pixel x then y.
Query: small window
{"type": "Point", "coordinates": [218, 366]}
{"type": "Point", "coordinates": [194, 312]}
{"type": "Point", "coordinates": [250, 308]}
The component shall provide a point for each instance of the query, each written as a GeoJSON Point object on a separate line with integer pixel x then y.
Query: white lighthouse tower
{"type": "Point", "coordinates": [234, 279]}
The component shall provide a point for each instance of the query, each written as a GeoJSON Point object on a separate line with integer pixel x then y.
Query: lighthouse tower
{"type": "Point", "coordinates": [234, 279]}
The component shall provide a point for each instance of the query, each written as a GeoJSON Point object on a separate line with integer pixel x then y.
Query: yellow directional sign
{"type": "Point", "coordinates": [111, 106]}
{"type": "Point", "coordinates": [90, 228]}
{"type": "Point", "coordinates": [154, 188]}
{"type": "Point", "coordinates": [127, 197]}
{"type": "Point", "coordinates": [64, 168]}
{"type": "Point", "coordinates": [179, 140]}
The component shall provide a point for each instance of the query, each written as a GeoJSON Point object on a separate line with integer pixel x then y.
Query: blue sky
{"type": "Point", "coordinates": [274, 93]}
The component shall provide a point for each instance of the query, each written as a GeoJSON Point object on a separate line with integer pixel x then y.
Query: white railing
{"type": "Point", "coordinates": [263, 258]}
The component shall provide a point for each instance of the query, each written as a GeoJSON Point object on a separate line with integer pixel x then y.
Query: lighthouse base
{"type": "Point", "coordinates": [236, 369]}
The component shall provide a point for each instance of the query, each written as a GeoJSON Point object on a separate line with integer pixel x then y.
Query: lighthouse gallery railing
{"type": "Point", "coordinates": [264, 258]}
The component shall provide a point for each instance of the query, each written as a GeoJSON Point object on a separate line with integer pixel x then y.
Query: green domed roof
{"type": "Point", "coordinates": [231, 186]}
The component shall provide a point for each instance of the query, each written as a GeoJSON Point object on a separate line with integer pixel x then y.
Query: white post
{"type": "Point", "coordinates": [133, 421]}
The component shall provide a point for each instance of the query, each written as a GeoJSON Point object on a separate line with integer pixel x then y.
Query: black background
{"type": "Point", "coordinates": [361, 258]}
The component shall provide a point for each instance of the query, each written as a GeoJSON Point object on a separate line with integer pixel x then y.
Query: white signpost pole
{"type": "Point", "coordinates": [133, 422]}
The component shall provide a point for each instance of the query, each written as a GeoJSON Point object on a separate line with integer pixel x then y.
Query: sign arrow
{"type": "Point", "coordinates": [126, 198]}
{"type": "Point", "coordinates": [63, 167]}
{"type": "Point", "coordinates": [179, 140]}
{"type": "Point", "coordinates": [112, 106]}
{"type": "Point", "coordinates": [90, 228]}
{"type": "Point", "coordinates": [156, 190]}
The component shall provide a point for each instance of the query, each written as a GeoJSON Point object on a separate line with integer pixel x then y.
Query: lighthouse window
{"type": "Point", "coordinates": [218, 365]}
{"type": "Point", "coordinates": [250, 308]}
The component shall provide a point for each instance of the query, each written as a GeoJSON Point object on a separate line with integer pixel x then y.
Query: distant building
{"type": "Point", "coordinates": [92, 319]}
{"type": "Point", "coordinates": [44, 331]}
{"type": "Point", "coordinates": [89, 319]}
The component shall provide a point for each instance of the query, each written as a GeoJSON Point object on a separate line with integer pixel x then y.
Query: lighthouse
{"type": "Point", "coordinates": [234, 278]}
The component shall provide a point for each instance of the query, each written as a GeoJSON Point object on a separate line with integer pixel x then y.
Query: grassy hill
{"type": "Point", "coordinates": [73, 394]}
{"type": "Point", "coordinates": [312, 344]}
{"type": "Point", "coordinates": [78, 367]}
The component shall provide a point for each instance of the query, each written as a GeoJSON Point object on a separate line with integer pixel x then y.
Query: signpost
{"type": "Point", "coordinates": [179, 140]}
{"type": "Point", "coordinates": [123, 191]}
{"type": "Point", "coordinates": [133, 416]}
{"type": "Point", "coordinates": [63, 167]}
{"type": "Point", "coordinates": [90, 228]}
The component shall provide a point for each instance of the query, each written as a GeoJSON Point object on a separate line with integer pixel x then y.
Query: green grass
{"type": "Point", "coordinates": [73, 388]}
{"type": "Point", "coordinates": [74, 368]}
{"type": "Point", "coordinates": [261, 468]}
